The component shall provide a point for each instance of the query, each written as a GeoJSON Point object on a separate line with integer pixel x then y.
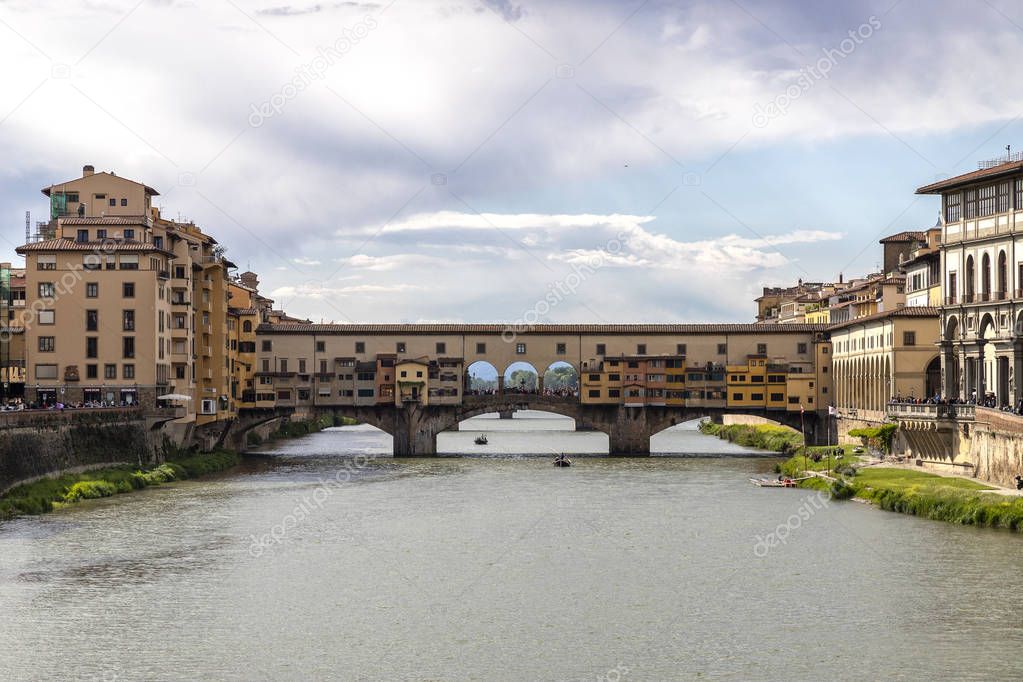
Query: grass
{"type": "Point", "coordinates": [295, 429]}
{"type": "Point", "coordinates": [923, 494]}
{"type": "Point", "coordinates": [45, 495]}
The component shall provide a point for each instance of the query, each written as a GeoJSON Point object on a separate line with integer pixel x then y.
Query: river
{"type": "Point", "coordinates": [327, 558]}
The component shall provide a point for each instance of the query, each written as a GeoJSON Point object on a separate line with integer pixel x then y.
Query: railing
{"type": "Point", "coordinates": [932, 411]}
{"type": "Point", "coordinates": [950, 300]}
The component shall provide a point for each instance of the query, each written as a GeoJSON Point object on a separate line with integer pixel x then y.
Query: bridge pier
{"type": "Point", "coordinates": [506, 414]}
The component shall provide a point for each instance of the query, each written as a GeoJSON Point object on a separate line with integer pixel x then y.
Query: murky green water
{"type": "Point", "coordinates": [331, 561]}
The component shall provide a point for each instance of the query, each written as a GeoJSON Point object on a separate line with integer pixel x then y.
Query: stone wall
{"type": "Point", "coordinates": [53, 444]}
{"type": "Point", "coordinates": [995, 446]}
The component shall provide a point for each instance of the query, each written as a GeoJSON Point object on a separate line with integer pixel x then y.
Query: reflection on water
{"type": "Point", "coordinates": [499, 567]}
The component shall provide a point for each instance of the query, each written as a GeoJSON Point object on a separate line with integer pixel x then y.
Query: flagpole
{"type": "Point", "coordinates": [802, 428]}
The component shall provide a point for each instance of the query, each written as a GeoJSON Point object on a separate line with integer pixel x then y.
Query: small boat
{"type": "Point", "coordinates": [779, 483]}
{"type": "Point", "coordinates": [481, 439]}
{"type": "Point", "coordinates": [562, 461]}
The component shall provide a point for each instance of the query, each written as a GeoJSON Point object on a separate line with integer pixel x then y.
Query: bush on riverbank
{"type": "Point", "coordinates": [764, 436]}
{"type": "Point", "coordinates": [46, 494]}
{"type": "Point", "coordinates": [878, 437]}
{"type": "Point", "coordinates": [295, 429]}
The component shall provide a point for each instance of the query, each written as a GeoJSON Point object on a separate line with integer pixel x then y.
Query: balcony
{"type": "Point", "coordinates": [207, 351]}
{"type": "Point", "coordinates": [163, 274]}
{"type": "Point", "coordinates": [181, 300]}
{"type": "Point", "coordinates": [931, 411]}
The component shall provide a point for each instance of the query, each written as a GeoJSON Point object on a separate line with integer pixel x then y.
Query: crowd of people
{"type": "Point", "coordinates": [19, 405]}
{"type": "Point", "coordinates": [561, 392]}
{"type": "Point", "coordinates": [989, 400]}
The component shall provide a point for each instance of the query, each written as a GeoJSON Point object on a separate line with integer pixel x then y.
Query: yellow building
{"type": "Point", "coordinates": [413, 381]}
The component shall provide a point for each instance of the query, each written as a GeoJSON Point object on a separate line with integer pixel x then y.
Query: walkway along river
{"type": "Point", "coordinates": [328, 558]}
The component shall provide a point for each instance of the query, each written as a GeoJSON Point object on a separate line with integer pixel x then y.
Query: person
{"type": "Point", "coordinates": [1019, 482]}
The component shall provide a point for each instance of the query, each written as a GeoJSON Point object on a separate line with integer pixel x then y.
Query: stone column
{"type": "Point", "coordinates": [500, 384]}
{"type": "Point", "coordinates": [1016, 376]}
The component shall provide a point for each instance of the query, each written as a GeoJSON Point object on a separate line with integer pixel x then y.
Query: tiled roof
{"type": "Point", "coordinates": [905, 311]}
{"type": "Point", "coordinates": [974, 176]}
{"type": "Point", "coordinates": [61, 244]}
{"type": "Point", "coordinates": [106, 220]}
{"type": "Point", "coordinates": [908, 236]}
{"type": "Point", "coordinates": [353, 329]}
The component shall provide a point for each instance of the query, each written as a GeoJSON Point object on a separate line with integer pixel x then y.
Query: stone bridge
{"type": "Point", "coordinates": [414, 427]}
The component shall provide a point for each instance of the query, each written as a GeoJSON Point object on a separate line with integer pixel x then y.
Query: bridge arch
{"type": "Point", "coordinates": [521, 377]}
{"type": "Point", "coordinates": [561, 378]}
{"type": "Point", "coordinates": [482, 377]}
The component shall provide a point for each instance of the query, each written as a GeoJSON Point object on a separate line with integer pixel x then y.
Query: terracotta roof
{"type": "Point", "coordinates": [245, 311]}
{"type": "Point", "coordinates": [106, 220]}
{"type": "Point", "coordinates": [353, 329]}
{"type": "Point", "coordinates": [61, 244]}
{"type": "Point", "coordinates": [58, 186]}
{"type": "Point", "coordinates": [974, 176]}
{"type": "Point", "coordinates": [909, 236]}
{"type": "Point", "coordinates": [905, 311]}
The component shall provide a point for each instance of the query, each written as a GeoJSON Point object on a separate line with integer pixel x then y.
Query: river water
{"type": "Point", "coordinates": [329, 559]}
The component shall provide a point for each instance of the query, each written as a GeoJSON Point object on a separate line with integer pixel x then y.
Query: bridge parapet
{"type": "Point", "coordinates": [934, 411]}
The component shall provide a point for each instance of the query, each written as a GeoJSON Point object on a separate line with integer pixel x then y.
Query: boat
{"type": "Point", "coordinates": [562, 461]}
{"type": "Point", "coordinates": [481, 439]}
{"type": "Point", "coordinates": [777, 483]}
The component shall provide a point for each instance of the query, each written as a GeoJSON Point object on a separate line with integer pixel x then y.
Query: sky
{"type": "Point", "coordinates": [517, 162]}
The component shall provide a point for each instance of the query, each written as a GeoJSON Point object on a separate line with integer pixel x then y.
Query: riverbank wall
{"type": "Point", "coordinates": [34, 446]}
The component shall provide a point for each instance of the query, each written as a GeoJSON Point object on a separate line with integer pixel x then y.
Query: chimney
{"type": "Point", "coordinates": [840, 278]}
{"type": "Point", "coordinates": [87, 170]}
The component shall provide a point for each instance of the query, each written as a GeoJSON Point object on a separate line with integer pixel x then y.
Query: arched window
{"type": "Point", "coordinates": [247, 326]}
{"type": "Point", "coordinates": [985, 277]}
{"type": "Point", "coordinates": [970, 279]}
{"type": "Point", "coordinates": [1003, 275]}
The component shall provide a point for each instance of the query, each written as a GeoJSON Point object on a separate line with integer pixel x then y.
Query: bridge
{"type": "Point", "coordinates": [414, 427]}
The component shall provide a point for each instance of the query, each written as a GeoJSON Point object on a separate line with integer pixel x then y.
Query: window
{"type": "Point", "coordinates": [46, 290]}
{"type": "Point", "coordinates": [601, 349]}
{"type": "Point", "coordinates": [92, 371]}
{"type": "Point", "coordinates": [45, 317]}
{"type": "Point", "coordinates": [129, 234]}
{"type": "Point", "coordinates": [614, 393]}
{"type": "Point", "coordinates": [46, 371]}
{"type": "Point", "coordinates": [128, 320]}
{"type": "Point", "coordinates": [953, 206]}
{"type": "Point", "coordinates": [1018, 205]}
{"type": "Point", "coordinates": [124, 202]}
{"type": "Point", "coordinates": [92, 346]}
{"type": "Point", "coordinates": [265, 365]}
{"type": "Point", "coordinates": [112, 201]}
{"type": "Point", "coordinates": [46, 262]}
{"type": "Point", "coordinates": [793, 400]}
{"type": "Point", "coordinates": [908, 338]}
{"type": "Point", "coordinates": [737, 396]}
{"type": "Point", "coordinates": [801, 348]}
{"type": "Point", "coordinates": [441, 348]}
{"type": "Point", "coordinates": [301, 366]}
{"type": "Point", "coordinates": [128, 262]}
{"type": "Point", "coordinates": [399, 347]}
{"type": "Point", "coordinates": [266, 346]}
{"type": "Point", "coordinates": [722, 349]}
{"type": "Point", "coordinates": [594, 393]}
{"type": "Point", "coordinates": [560, 349]}
{"type": "Point", "coordinates": [481, 348]}
{"type": "Point", "coordinates": [640, 349]}
{"type": "Point", "coordinates": [680, 349]}
{"type": "Point", "coordinates": [284, 365]}
{"type": "Point", "coordinates": [128, 289]}
{"type": "Point", "coordinates": [128, 372]}
{"type": "Point", "coordinates": [128, 347]}
{"type": "Point", "coordinates": [46, 344]}
{"type": "Point", "coordinates": [82, 236]}
{"type": "Point", "coordinates": [365, 392]}
{"type": "Point", "coordinates": [761, 349]}
{"type": "Point", "coordinates": [520, 349]}
{"type": "Point", "coordinates": [91, 289]}
{"type": "Point", "coordinates": [321, 346]}
{"type": "Point", "coordinates": [109, 371]}
{"type": "Point", "coordinates": [756, 396]}
{"type": "Point", "coordinates": [360, 346]}
{"type": "Point", "coordinates": [1003, 197]}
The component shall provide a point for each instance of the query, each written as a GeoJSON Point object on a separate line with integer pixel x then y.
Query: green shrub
{"type": "Point", "coordinates": [764, 436]}
{"type": "Point", "coordinates": [89, 490]}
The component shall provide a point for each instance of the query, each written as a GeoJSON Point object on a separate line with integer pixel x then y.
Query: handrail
{"type": "Point", "coordinates": [960, 411]}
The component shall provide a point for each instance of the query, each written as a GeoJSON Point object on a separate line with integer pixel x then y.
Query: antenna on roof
{"type": "Point", "coordinates": [28, 222]}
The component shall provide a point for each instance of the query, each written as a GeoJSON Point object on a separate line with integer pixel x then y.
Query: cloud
{"type": "Point", "coordinates": [306, 261]}
{"type": "Point", "coordinates": [289, 11]}
{"type": "Point", "coordinates": [508, 10]}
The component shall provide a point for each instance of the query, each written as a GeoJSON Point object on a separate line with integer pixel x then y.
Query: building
{"type": "Point", "coordinates": [982, 277]}
{"type": "Point", "coordinates": [124, 305]}
{"type": "Point", "coordinates": [865, 297]}
{"type": "Point", "coordinates": [897, 248]}
{"type": "Point", "coordinates": [921, 267]}
{"type": "Point", "coordinates": [12, 333]}
{"type": "Point", "coordinates": [891, 353]}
